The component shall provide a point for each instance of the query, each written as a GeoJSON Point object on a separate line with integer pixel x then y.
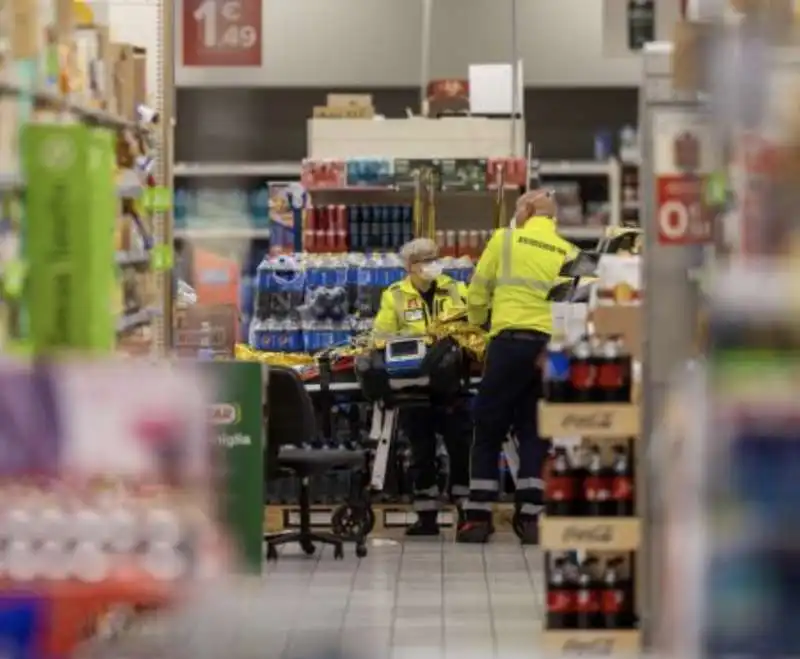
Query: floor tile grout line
{"type": "Point", "coordinates": [495, 644]}
{"type": "Point", "coordinates": [534, 586]}
{"type": "Point", "coordinates": [310, 578]}
{"type": "Point", "coordinates": [443, 608]}
{"type": "Point", "coordinates": [396, 593]}
{"type": "Point", "coordinates": [349, 599]}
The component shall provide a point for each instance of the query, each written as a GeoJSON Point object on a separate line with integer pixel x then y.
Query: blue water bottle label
{"type": "Point", "coordinates": [557, 366]}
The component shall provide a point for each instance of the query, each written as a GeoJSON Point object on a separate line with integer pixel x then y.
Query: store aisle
{"type": "Point", "coordinates": [420, 598]}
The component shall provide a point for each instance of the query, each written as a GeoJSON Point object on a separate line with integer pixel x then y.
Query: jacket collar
{"type": "Point", "coordinates": [439, 284]}
{"type": "Point", "coordinates": [540, 221]}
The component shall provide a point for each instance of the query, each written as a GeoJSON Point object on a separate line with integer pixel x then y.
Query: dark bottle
{"type": "Point", "coordinates": [561, 486]}
{"type": "Point", "coordinates": [560, 596]}
{"type": "Point", "coordinates": [354, 228]}
{"type": "Point", "coordinates": [622, 483]}
{"type": "Point", "coordinates": [613, 372]}
{"type": "Point", "coordinates": [588, 595]}
{"type": "Point", "coordinates": [557, 372]}
{"type": "Point", "coordinates": [582, 371]}
{"type": "Point", "coordinates": [615, 601]}
{"type": "Point", "coordinates": [641, 23]}
{"type": "Point", "coordinates": [596, 484]}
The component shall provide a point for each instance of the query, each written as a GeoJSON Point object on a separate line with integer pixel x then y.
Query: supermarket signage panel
{"type": "Point", "coordinates": [683, 156]}
{"type": "Point", "coordinates": [222, 33]}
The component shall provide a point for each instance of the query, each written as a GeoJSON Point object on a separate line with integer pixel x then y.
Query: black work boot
{"type": "Point", "coordinates": [474, 532]}
{"type": "Point", "coordinates": [427, 524]}
{"type": "Point", "coordinates": [528, 530]}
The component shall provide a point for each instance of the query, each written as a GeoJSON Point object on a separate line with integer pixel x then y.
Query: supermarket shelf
{"type": "Point", "coordinates": [596, 420]}
{"type": "Point", "coordinates": [590, 533]}
{"type": "Point", "coordinates": [60, 102]}
{"type": "Point", "coordinates": [582, 233]}
{"type": "Point", "coordinates": [229, 233]}
{"type": "Point", "coordinates": [13, 181]}
{"type": "Point", "coordinates": [574, 167]}
{"type": "Point", "coordinates": [590, 642]}
{"type": "Point", "coordinates": [134, 320]}
{"type": "Point", "coordinates": [133, 258]}
{"type": "Point", "coordinates": [195, 170]}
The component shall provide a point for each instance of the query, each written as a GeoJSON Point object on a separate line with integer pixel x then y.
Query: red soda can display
{"type": "Point", "coordinates": [462, 243]}
{"type": "Point", "coordinates": [474, 239]}
{"type": "Point", "coordinates": [309, 230]}
{"type": "Point", "coordinates": [440, 242]}
{"type": "Point", "coordinates": [320, 233]}
{"type": "Point", "coordinates": [341, 228]}
{"type": "Point", "coordinates": [613, 372]}
{"type": "Point", "coordinates": [451, 243]}
{"type": "Point", "coordinates": [330, 229]}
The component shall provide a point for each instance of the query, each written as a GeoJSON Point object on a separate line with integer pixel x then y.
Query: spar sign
{"type": "Point", "coordinates": [682, 162]}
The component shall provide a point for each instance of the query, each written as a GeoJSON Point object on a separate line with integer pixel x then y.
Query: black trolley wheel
{"type": "Point", "coordinates": [361, 550]}
{"type": "Point", "coordinates": [353, 522]}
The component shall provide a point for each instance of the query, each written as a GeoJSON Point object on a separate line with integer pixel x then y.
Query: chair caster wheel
{"type": "Point", "coordinates": [350, 522]}
{"type": "Point", "coordinates": [308, 548]}
{"type": "Point", "coordinates": [338, 552]}
{"type": "Point", "coordinates": [272, 553]}
{"type": "Point", "coordinates": [361, 550]}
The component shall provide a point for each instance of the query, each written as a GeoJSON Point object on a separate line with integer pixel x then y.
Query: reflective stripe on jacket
{"type": "Point", "coordinates": [514, 275]}
{"type": "Point", "coordinates": [403, 310]}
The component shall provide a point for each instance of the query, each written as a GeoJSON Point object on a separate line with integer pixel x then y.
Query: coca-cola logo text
{"type": "Point", "coordinates": [592, 421]}
{"type": "Point", "coordinates": [598, 647]}
{"type": "Point", "coordinates": [601, 533]}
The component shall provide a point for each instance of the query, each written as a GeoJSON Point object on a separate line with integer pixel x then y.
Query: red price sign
{"type": "Point", "coordinates": [222, 32]}
{"type": "Point", "coordinates": [683, 218]}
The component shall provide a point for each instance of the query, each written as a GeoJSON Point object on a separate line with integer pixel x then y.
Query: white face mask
{"type": "Point", "coordinates": [431, 271]}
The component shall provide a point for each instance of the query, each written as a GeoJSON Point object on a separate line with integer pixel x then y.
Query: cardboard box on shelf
{"type": "Point", "coordinates": [622, 321]}
{"type": "Point", "coordinates": [125, 81]}
{"type": "Point", "coordinates": [587, 642]}
{"type": "Point", "coordinates": [343, 112]}
{"type": "Point", "coordinates": [212, 326]}
{"type": "Point", "coordinates": [349, 100]}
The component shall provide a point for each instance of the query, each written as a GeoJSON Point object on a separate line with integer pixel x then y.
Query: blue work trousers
{"type": "Point", "coordinates": [508, 397]}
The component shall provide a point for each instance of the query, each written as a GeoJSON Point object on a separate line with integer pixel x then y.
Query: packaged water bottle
{"type": "Point", "coordinates": [247, 295]}
{"type": "Point", "coordinates": [288, 283]}
{"type": "Point", "coordinates": [337, 309]}
{"type": "Point", "coordinates": [295, 332]}
{"type": "Point", "coordinates": [326, 337]}
{"type": "Point", "coordinates": [353, 262]}
{"type": "Point", "coordinates": [264, 288]}
{"type": "Point", "coordinates": [366, 284]}
{"type": "Point", "coordinates": [261, 335]}
{"type": "Point", "coordinates": [396, 271]}
{"type": "Point", "coordinates": [449, 267]}
{"type": "Point", "coordinates": [180, 209]}
{"type": "Point", "coordinates": [464, 268]}
{"type": "Point", "coordinates": [260, 207]}
{"type": "Point", "coordinates": [314, 274]}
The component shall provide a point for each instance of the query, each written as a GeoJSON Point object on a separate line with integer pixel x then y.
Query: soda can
{"type": "Point", "coordinates": [319, 229]}
{"type": "Point", "coordinates": [440, 242]}
{"type": "Point", "coordinates": [451, 243]}
{"type": "Point", "coordinates": [462, 243]}
{"type": "Point", "coordinates": [309, 236]}
{"type": "Point", "coordinates": [341, 229]}
{"type": "Point", "coordinates": [474, 244]}
{"type": "Point", "coordinates": [354, 227]}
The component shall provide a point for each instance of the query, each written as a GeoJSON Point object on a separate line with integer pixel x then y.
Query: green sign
{"type": "Point", "coordinates": [237, 418]}
{"type": "Point", "coordinates": [162, 258]}
{"type": "Point", "coordinates": [157, 199]}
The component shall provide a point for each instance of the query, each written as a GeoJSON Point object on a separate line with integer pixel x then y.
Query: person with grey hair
{"type": "Point", "coordinates": [407, 307]}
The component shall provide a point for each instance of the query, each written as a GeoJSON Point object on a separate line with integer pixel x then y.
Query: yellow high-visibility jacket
{"type": "Point", "coordinates": [403, 310]}
{"type": "Point", "coordinates": [517, 269]}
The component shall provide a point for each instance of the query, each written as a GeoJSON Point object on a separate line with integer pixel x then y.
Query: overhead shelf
{"type": "Point", "coordinates": [196, 170]}
{"type": "Point", "coordinates": [575, 167]}
{"type": "Point", "coordinates": [61, 103]}
{"type": "Point", "coordinates": [223, 233]}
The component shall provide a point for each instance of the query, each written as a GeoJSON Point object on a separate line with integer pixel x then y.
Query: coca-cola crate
{"type": "Point", "coordinates": [590, 533]}
{"type": "Point", "coordinates": [591, 643]}
{"type": "Point", "coordinates": [596, 420]}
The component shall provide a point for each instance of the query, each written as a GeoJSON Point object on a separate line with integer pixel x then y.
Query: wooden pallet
{"type": "Point", "coordinates": [391, 520]}
{"type": "Point", "coordinates": [601, 643]}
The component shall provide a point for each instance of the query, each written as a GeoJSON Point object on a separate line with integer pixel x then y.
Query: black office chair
{"type": "Point", "coordinates": [291, 434]}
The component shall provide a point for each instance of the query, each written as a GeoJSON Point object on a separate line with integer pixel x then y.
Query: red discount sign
{"type": "Point", "coordinates": [222, 32]}
{"type": "Point", "coordinates": [683, 218]}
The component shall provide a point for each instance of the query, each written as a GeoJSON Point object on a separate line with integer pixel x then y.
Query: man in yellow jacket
{"type": "Point", "coordinates": [515, 273]}
{"type": "Point", "coordinates": [407, 307]}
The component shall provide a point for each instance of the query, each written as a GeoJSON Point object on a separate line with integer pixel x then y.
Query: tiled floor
{"type": "Point", "coordinates": [422, 598]}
